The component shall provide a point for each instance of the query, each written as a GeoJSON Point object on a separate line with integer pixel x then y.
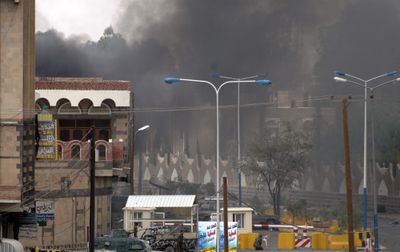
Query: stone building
{"type": "Point", "coordinates": [17, 72]}
{"type": "Point", "coordinates": [62, 182]}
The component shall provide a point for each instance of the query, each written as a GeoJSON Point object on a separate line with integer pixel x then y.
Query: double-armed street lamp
{"type": "Point", "coordinates": [132, 174]}
{"type": "Point", "coordinates": [173, 80]}
{"type": "Point", "coordinates": [341, 77]}
{"type": "Point", "coordinates": [238, 124]}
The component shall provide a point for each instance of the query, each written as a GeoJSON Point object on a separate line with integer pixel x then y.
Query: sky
{"type": "Point", "coordinates": [86, 18]}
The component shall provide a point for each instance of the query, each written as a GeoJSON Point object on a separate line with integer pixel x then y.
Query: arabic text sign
{"type": "Point", "coordinates": [207, 236]}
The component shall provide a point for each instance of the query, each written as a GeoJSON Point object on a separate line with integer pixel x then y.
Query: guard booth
{"type": "Point", "coordinates": [10, 245]}
{"type": "Point", "coordinates": [243, 216]}
{"type": "Point", "coordinates": [160, 210]}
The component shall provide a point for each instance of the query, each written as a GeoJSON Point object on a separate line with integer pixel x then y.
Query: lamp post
{"type": "Point", "coordinates": [364, 84]}
{"type": "Point", "coordinates": [131, 175]}
{"type": "Point", "coordinates": [173, 80]}
{"type": "Point", "coordinates": [238, 125]}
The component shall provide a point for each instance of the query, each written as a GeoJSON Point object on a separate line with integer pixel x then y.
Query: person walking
{"type": "Point", "coordinates": [180, 242]}
{"type": "Point", "coordinates": [258, 243]}
{"type": "Point", "coordinates": [135, 229]}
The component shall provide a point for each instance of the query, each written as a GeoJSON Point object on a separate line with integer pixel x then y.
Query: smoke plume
{"type": "Point", "coordinates": [297, 43]}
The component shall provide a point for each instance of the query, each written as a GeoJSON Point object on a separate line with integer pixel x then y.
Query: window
{"type": "Point", "coordinates": [136, 216]}
{"type": "Point", "coordinates": [103, 135]}
{"type": "Point", "coordinates": [239, 218]}
{"type": "Point", "coordinates": [77, 135]}
{"type": "Point", "coordinates": [60, 152]}
{"type": "Point", "coordinates": [64, 135]}
{"type": "Point", "coordinates": [102, 152]}
{"type": "Point", "coordinates": [76, 152]}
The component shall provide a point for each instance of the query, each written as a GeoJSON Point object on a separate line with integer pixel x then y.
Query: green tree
{"type": "Point", "coordinates": [277, 158]}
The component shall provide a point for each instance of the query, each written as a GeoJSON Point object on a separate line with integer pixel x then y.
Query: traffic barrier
{"type": "Point", "coordinates": [338, 242]}
{"type": "Point", "coordinates": [37, 249]}
{"type": "Point", "coordinates": [319, 241]}
{"type": "Point", "coordinates": [246, 241]}
{"type": "Point", "coordinates": [302, 240]}
{"type": "Point", "coordinates": [286, 241]}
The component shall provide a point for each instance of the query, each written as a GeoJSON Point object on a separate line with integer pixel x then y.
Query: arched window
{"type": "Point", "coordinates": [104, 109]}
{"type": "Point", "coordinates": [64, 135]}
{"type": "Point", "coordinates": [60, 152]}
{"type": "Point", "coordinates": [77, 135]}
{"type": "Point", "coordinates": [66, 108]}
{"type": "Point", "coordinates": [76, 152]}
{"type": "Point", "coordinates": [102, 152]}
{"type": "Point", "coordinates": [103, 135]}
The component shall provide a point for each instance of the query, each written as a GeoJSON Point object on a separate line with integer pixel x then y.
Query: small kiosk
{"type": "Point", "coordinates": [243, 216]}
{"type": "Point", "coordinates": [160, 210]}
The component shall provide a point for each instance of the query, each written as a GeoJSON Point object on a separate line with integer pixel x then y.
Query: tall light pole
{"type": "Point", "coordinates": [364, 84]}
{"type": "Point", "coordinates": [132, 174]}
{"type": "Point", "coordinates": [238, 125]}
{"type": "Point", "coordinates": [173, 80]}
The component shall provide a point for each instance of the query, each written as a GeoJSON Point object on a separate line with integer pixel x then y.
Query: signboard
{"type": "Point", "coordinates": [207, 239]}
{"type": "Point", "coordinates": [47, 130]}
{"type": "Point", "coordinates": [44, 210]}
{"type": "Point", "coordinates": [28, 231]}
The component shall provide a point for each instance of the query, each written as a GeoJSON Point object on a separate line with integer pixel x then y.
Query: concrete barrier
{"type": "Point", "coordinates": [246, 240]}
{"type": "Point", "coordinates": [286, 241]}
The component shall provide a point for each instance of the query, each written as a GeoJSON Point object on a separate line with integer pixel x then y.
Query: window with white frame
{"type": "Point", "coordinates": [239, 218]}
{"type": "Point", "coordinates": [137, 217]}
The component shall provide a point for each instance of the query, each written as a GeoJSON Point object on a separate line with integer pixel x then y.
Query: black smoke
{"type": "Point", "coordinates": [297, 43]}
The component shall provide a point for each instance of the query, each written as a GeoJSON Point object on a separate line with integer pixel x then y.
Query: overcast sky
{"type": "Point", "coordinates": [88, 17]}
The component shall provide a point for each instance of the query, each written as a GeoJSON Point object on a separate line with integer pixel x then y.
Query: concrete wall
{"type": "Point", "coordinates": [66, 183]}
{"type": "Point", "coordinates": [17, 69]}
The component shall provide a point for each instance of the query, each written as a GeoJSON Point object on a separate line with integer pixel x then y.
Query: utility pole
{"type": "Point", "coordinates": [349, 191]}
{"type": "Point", "coordinates": [131, 148]}
{"type": "Point", "coordinates": [92, 189]}
{"type": "Point", "coordinates": [226, 237]}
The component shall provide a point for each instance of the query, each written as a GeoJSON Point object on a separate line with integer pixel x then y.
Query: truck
{"type": "Point", "coordinates": [120, 241]}
{"type": "Point", "coordinates": [166, 238]}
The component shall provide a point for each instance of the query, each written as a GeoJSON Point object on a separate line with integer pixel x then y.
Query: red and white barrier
{"type": "Point", "coordinates": [266, 226]}
{"type": "Point", "coordinates": [302, 240]}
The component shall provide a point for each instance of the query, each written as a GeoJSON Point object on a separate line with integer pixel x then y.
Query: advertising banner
{"type": "Point", "coordinates": [207, 236]}
{"type": "Point", "coordinates": [47, 136]}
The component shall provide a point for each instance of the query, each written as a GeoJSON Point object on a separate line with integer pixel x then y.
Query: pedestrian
{"type": "Point", "coordinates": [135, 229]}
{"type": "Point", "coordinates": [180, 242]}
{"type": "Point", "coordinates": [258, 243]}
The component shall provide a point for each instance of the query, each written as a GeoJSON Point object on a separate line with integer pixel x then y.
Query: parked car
{"type": "Point", "coordinates": [119, 241]}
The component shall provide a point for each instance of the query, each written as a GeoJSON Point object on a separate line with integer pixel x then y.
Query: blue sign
{"type": "Point", "coordinates": [44, 216]}
{"type": "Point", "coordinates": [207, 240]}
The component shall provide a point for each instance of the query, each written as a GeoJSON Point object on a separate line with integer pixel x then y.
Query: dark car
{"type": "Point", "coordinates": [119, 241]}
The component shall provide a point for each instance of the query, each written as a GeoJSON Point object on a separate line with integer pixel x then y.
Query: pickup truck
{"type": "Point", "coordinates": [119, 241]}
{"type": "Point", "coordinates": [166, 238]}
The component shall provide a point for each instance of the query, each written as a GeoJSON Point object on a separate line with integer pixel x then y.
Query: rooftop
{"type": "Point", "coordinates": [84, 83]}
{"type": "Point", "coordinates": [142, 201]}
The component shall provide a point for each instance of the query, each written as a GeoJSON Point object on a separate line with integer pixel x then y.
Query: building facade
{"type": "Point", "coordinates": [62, 180]}
{"type": "Point", "coordinates": [17, 71]}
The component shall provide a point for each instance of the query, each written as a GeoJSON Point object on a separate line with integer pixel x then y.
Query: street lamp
{"type": "Point", "coordinates": [131, 175]}
{"type": "Point", "coordinates": [173, 80]}
{"type": "Point", "coordinates": [364, 84]}
{"type": "Point", "coordinates": [238, 125]}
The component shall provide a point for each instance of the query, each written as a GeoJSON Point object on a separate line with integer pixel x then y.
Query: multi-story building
{"type": "Point", "coordinates": [17, 72]}
{"type": "Point", "coordinates": [62, 177]}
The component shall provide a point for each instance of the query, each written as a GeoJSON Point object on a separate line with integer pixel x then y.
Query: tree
{"type": "Point", "coordinates": [297, 209]}
{"type": "Point", "coordinates": [278, 158]}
